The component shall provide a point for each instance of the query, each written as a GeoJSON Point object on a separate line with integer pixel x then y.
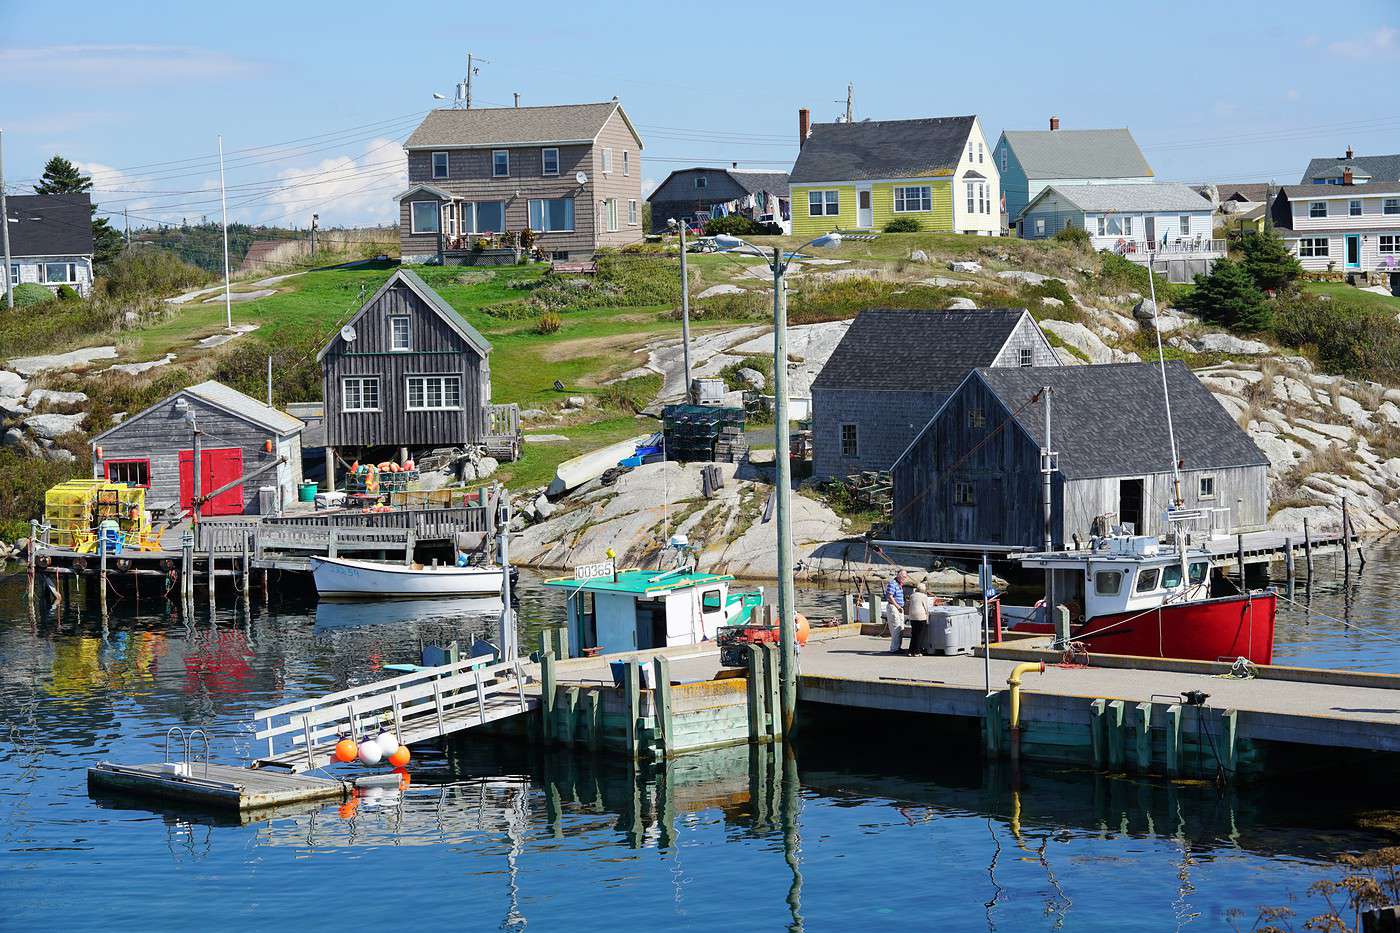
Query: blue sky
{"type": "Point", "coordinates": [313, 99]}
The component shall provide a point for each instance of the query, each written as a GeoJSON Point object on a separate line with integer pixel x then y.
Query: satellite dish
{"type": "Point", "coordinates": [347, 333]}
{"type": "Point", "coordinates": [581, 177]}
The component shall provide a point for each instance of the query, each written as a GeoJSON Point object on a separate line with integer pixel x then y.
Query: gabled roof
{"type": "Point", "coordinates": [1110, 420]}
{"type": "Point", "coordinates": [1169, 196]}
{"type": "Point", "coordinates": [882, 149]}
{"type": "Point", "coordinates": [1379, 167]}
{"type": "Point", "coordinates": [1340, 192]}
{"type": "Point", "coordinates": [1252, 192]}
{"type": "Point", "coordinates": [743, 179]}
{"type": "Point", "coordinates": [416, 187]}
{"type": "Point", "coordinates": [1111, 153]}
{"type": "Point", "coordinates": [516, 126]}
{"type": "Point", "coordinates": [226, 399]}
{"type": "Point", "coordinates": [919, 351]}
{"type": "Point", "coordinates": [756, 182]}
{"type": "Point", "coordinates": [432, 299]}
{"type": "Point", "coordinates": [50, 224]}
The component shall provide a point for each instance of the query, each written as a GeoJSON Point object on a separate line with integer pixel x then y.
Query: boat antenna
{"type": "Point", "coordinates": [1162, 366]}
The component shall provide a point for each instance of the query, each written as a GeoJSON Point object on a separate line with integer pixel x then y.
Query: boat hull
{"type": "Point", "coordinates": [1207, 630]}
{"type": "Point", "coordinates": [363, 579]}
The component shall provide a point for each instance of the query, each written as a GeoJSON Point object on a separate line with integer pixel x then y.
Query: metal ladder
{"type": "Point", "coordinates": [185, 738]}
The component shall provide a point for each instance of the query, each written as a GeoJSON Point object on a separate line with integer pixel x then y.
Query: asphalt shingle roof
{"type": "Point", "coordinates": [1253, 192]}
{"type": "Point", "coordinates": [216, 393]}
{"type": "Point", "coordinates": [1109, 420]}
{"type": "Point", "coordinates": [1111, 153]}
{"type": "Point", "coordinates": [1380, 167]}
{"type": "Point", "coordinates": [1313, 192]}
{"type": "Point", "coordinates": [921, 351]}
{"type": "Point", "coordinates": [882, 149]}
{"type": "Point", "coordinates": [755, 182]}
{"type": "Point", "coordinates": [512, 126]}
{"type": "Point", "coordinates": [50, 224]}
{"type": "Point", "coordinates": [1140, 197]}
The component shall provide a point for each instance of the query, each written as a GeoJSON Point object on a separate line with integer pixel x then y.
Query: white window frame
{"type": "Point", "coordinates": [922, 199]}
{"type": "Point", "coordinates": [702, 181]}
{"type": "Point", "coordinates": [1128, 225]}
{"type": "Point", "coordinates": [633, 216]}
{"type": "Point", "coordinates": [1183, 223]}
{"type": "Point", "coordinates": [361, 383]}
{"type": "Point", "coordinates": [607, 160]}
{"type": "Point", "coordinates": [446, 164]}
{"type": "Point", "coordinates": [827, 202]}
{"type": "Point", "coordinates": [851, 449]}
{"type": "Point", "coordinates": [1115, 577]}
{"type": "Point", "coordinates": [1102, 225]}
{"type": "Point", "coordinates": [495, 153]}
{"type": "Point", "coordinates": [413, 227]}
{"type": "Point", "coordinates": [449, 218]}
{"type": "Point", "coordinates": [529, 215]}
{"type": "Point", "coordinates": [1315, 247]}
{"type": "Point", "coordinates": [981, 153]}
{"type": "Point", "coordinates": [441, 381]}
{"type": "Point", "coordinates": [14, 273]}
{"type": "Point", "coordinates": [964, 493]}
{"type": "Point", "coordinates": [1390, 206]}
{"type": "Point", "coordinates": [1003, 158]}
{"type": "Point", "coordinates": [1317, 209]}
{"type": "Point", "coordinates": [1354, 208]}
{"type": "Point", "coordinates": [1025, 357]}
{"type": "Point", "coordinates": [1205, 486]}
{"type": "Point", "coordinates": [969, 150]}
{"type": "Point", "coordinates": [610, 213]}
{"type": "Point", "coordinates": [544, 160]}
{"type": "Point", "coordinates": [971, 194]}
{"type": "Point", "coordinates": [71, 273]}
{"type": "Point", "coordinates": [1040, 226]}
{"type": "Point", "coordinates": [626, 162]}
{"type": "Point", "coordinates": [1388, 248]}
{"type": "Point", "coordinates": [476, 218]}
{"type": "Point", "coordinates": [394, 344]}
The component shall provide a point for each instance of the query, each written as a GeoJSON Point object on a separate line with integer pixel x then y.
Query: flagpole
{"type": "Point", "coordinates": [223, 207]}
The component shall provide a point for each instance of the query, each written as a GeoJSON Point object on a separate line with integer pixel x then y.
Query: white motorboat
{"type": "Point", "coordinates": [338, 576]}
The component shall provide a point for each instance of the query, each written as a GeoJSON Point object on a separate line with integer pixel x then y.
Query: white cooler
{"type": "Point", "coordinates": [953, 629]}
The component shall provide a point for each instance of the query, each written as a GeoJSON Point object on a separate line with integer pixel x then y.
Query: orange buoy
{"type": "Point", "coordinates": [404, 780]}
{"type": "Point", "coordinates": [355, 467]}
{"type": "Point", "coordinates": [408, 466]}
{"type": "Point", "coordinates": [348, 808]}
{"type": "Point", "coordinates": [346, 750]}
{"type": "Point", "coordinates": [803, 629]}
{"type": "Point", "coordinates": [400, 757]}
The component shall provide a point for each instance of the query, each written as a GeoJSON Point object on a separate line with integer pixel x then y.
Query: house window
{"type": "Point", "coordinates": [971, 195]}
{"type": "Point", "coordinates": [963, 493]}
{"type": "Point", "coordinates": [434, 393]}
{"type": "Point", "coordinates": [549, 161]}
{"type": "Point", "coordinates": [610, 207]}
{"type": "Point", "coordinates": [1390, 243]}
{"type": "Point", "coordinates": [1317, 209]}
{"type": "Point", "coordinates": [1040, 226]}
{"type": "Point", "coordinates": [398, 333]}
{"type": "Point", "coordinates": [1391, 206]}
{"type": "Point", "coordinates": [1206, 487]}
{"type": "Point", "coordinates": [1147, 579]}
{"type": "Point", "coordinates": [701, 181]}
{"type": "Point", "coordinates": [850, 445]}
{"type": "Point", "coordinates": [500, 163]}
{"type": "Point", "coordinates": [60, 273]}
{"type": "Point", "coordinates": [1103, 225]}
{"type": "Point", "coordinates": [487, 217]}
{"type": "Point", "coordinates": [1108, 582]}
{"type": "Point", "coordinates": [916, 198]}
{"type": "Point", "coordinates": [626, 162]}
{"type": "Point", "coordinates": [359, 393]}
{"type": "Point", "coordinates": [1185, 222]}
{"type": "Point", "coordinates": [1354, 208]}
{"type": "Point", "coordinates": [131, 472]}
{"type": "Point", "coordinates": [423, 217]}
{"type": "Point", "coordinates": [607, 161]}
{"type": "Point", "coordinates": [632, 219]}
{"type": "Point", "coordinates": [969, 150]}
{"type": "Point", "coordinates": [14, 273]}
{"type": "Point", "coordinates": [976, 418]}
{"type": "Point", "coordinates": [1026, 357]}
{"type": "Point", "coordinates": [1115, 225]}
{"type": "Point", "coordinates": [1313, 246]}
{"type": "Point", "coordinates": [1127, 226]}
{"type": "Point", "coordinates": [439, 165]}
{"type": "Point", "coordinates": [821, 203]}
{"type": "Point", "coordinates": [1003, 158]}
{"type": "Point", "coordinates": [449, 218]}
{"type": "Point", "coordinates": [980, 152]}
{"type": "Point", "coordinates": [552, 215]}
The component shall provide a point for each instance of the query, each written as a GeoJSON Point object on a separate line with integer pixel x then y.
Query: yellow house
{"type": "Point", "coordinates": [860, 176]}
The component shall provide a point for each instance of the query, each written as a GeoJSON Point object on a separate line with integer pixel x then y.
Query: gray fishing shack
{"type": "Point", "coordinates": [972, 477]}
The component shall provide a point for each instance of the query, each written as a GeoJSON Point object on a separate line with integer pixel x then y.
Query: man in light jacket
{"type": "Point", "coordinates": [894, 609]}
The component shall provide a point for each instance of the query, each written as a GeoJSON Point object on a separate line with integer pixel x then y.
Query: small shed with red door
{"type": "Point", "coordinates": [243, 444]}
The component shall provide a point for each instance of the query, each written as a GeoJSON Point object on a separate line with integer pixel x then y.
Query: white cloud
{"type": "Point", "coordinates": [1292, 94]}
{"type": "Point", "coordinates": [68, 121]}
{"type": "Point", "coordinates": [129, 62]}
{"type": "Point", "coordinates": [345, 190]}
{"type": "Point", "coordinates": [1383, 41]}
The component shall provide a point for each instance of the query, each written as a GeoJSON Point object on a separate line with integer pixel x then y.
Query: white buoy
{"type": "Point", "coordinates": [388, 743]}
{"type": "Point", "coordinates": [369, 752]}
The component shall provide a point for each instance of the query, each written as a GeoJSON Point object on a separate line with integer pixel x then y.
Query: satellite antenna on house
{"type": "Point", "coordinates": [581, 177]}
{"type": "Point", "coordinates": [347, 333]}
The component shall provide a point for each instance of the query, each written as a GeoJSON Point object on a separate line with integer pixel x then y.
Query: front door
{"type": "Point", "coordinates": [1353, 251]}
{"type": "Point", "coordinates": [865, 217]}
{"type": "Point", "coordinates": [1150, 229]}
{"type": "Point", "coordinates": [1130, 501]}
{"type": "Point", "coordinates": [217, 466]}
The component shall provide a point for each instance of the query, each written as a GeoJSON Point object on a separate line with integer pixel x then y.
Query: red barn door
{"type": "Point", "coordinates": [217, 465]}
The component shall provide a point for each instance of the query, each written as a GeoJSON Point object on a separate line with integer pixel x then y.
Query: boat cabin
{"type": "Point", "coordinates": [636, 610]}
{"type": "Point", "coordinates": [1122, 573]}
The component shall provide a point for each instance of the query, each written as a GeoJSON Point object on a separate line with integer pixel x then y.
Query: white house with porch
{"type": "Point", "coordinates": [1349, 228]}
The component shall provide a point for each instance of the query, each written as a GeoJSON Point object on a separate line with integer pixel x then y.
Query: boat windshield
{"type": "Point", "coordinates": [1147, 580]}
{"type": "Point", "coordinates": [1199, 570]}
{"type": "Point", "coordinates": [1171, 576]}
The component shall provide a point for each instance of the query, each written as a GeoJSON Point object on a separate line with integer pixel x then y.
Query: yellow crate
{"type": "Point", "coordinates": [74, 509]}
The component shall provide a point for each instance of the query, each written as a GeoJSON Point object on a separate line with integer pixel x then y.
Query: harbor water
{"type": "Point", "coordinates": [878, 823]}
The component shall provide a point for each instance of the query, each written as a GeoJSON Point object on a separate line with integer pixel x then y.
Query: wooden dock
{"type": "Point", "coordinates": [215, 785]}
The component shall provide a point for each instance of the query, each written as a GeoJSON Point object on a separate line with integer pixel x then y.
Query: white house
{"type": "Point", "coordinates": [51, 241]}
{"type": "Point", "coordinates": [1343, 228]}
{"type": "Point", "coordinates": [1031, 160]}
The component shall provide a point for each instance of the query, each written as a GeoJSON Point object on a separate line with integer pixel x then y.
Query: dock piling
{"type": "Point", "coordinates": [211, 576]}
{"type": "Point", "coordinates": [1307, 548]}
{"type": "Point", "coordinates": [664, 727]}
{"type": "Point", "coordinates": [1288, 559]}
{"type": "Point", "coordinates": [102, 577]}
{"type": "Point", "coordinates": [32, 555]}
{"type": "Point", "coordinates": [1239, 553]}
{"type": "Point", "coordinates": [243, 566]}
{"type": "Point", "coordinates": [1346, 539]}
{"type": "Point", "coordinates": [634, 707]}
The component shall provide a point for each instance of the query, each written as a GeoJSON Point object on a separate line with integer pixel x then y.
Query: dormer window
{"type": "Point", "coordinates": [500, 163]}
{"type": "Point", "coordinates": [399, 333]}
{"type": "Point", "coordinates": [439, 165]}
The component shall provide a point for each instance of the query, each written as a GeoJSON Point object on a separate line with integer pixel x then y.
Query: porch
{"type": "Point", "coordinates": [1137, 249]}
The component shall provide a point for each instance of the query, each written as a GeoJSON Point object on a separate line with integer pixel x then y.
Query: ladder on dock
{"type": "Point", "coordinates": [430, 703]}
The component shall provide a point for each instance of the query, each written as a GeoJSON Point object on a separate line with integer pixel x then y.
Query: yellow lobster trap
{"type": "Point", "coordinates": [76, 510]}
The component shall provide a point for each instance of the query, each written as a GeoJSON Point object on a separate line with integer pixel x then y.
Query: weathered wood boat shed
{"type": "Point", "coordinates": [972, 478]}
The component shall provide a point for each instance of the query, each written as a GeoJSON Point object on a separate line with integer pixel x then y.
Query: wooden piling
{"type": "Point", "coordinates": [33, 556]}
{"type": "Point", "coordinates": [1174, 739]}
{"type": "Point", "coordinates": [1346, 539]}
{"type": "Point", "coordinates": [102, 577]}
{"type": "Point", "coordinates": [1288, 558]}
{"type": "Point", "coordinates": [1143, 745]}
{"type": "Point", "coordinates": [848, 609]}
{"type": "Point", "coordinates": [757, 695]}
{"type": "Point", "coordinates": [1307, 548]}
{"type": "Point", "coordinates": [1239, 539]}
{"type": "Point", "coordinates": [547, 684]}
{"type": "Point", "coordinates": [243, 565]}
{"type": "Point", "coordinates": [211, 575]}
{"type": "Point", "coordinates": [634, 708]}
{"type": "Point", "coordinates": [661, 668]}
{"type": "Point", "coordinates": [593, 713]}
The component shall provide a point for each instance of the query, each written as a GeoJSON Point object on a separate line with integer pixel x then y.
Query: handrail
{"type": "Point", "coordinates": [374, 686]}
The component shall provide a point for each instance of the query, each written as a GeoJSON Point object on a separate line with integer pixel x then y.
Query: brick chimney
{"type": "Point", "coordinates": [804, 126]}
{"type": "Point", "coordinates": [1054, 124]}
{"type": "Point", "coordinates": [1348, 152]}
{"type": "Point", "coordinates": [1347, 176]}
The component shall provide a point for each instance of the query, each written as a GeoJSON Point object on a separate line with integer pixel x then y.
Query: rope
{"type": "Point", "coordinates": [1383, 636]}
{"type": "Point", "coordinates": [1242, 669]}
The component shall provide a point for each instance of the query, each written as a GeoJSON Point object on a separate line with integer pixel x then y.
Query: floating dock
{"type": "Point", "coordinates": [218, 786]}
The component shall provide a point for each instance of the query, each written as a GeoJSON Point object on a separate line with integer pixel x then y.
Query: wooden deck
{"type": "Point", "coordinates": [222, 786]}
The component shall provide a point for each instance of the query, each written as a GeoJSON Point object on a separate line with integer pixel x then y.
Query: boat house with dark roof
{"type": "Point", "coordinates": [892, 371]}
{"type": "Point", "coordinates": [972, 477]}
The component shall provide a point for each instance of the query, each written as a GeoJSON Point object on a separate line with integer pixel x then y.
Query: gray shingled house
{"type": "Point", "coordinates": [892, 371]}
{"type": "Point", "coordinates": [690, 193]}
{"type": "Point", "coordinates": [1330, 170]}
{"type": "Point", "coordinates": [972, 476]}
{"type": "Point", "coordinates": [1031, 160]}
{"type": "Point", "coordinates": [50, 241]}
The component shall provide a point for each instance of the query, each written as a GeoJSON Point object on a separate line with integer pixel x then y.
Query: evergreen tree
{"type": "Point", "coordinates": [63, 177]}
{"type": "Point", "coordinates": [1268, 261]}
{"type": "Point", "coordinates": [1229, 297]}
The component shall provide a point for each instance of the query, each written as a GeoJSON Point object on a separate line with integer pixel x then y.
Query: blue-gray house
{"type": "Point", "coordinates": [1031, 160]}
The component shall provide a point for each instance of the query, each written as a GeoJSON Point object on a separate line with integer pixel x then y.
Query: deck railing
{"type": "Point", "coordinates": [1175, 246]}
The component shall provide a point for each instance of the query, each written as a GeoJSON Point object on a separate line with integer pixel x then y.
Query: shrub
{"type": "Point", "coordinates": [732, 224]}
{"type": "Point", "coordinates": [1077, 236]}
{"type": "Point", "coordinates": [631, 395]}
{"type": "Point", "coordinates": [68, 293]}
{"type": "Point", "coordinates": [1268, 260]}
{"type": "Point", "coordinates": [1117, 275]}
{"type": "Point", "coordinates": [548, 323]}
{"type": "Point", "coordinates": [734, 382]}
{"type": "Point", "coordinates": [30, 294]}
{"type": "Point", "coordinates": [150, 270]}
{"type": "Point", "coordinates": [1229, 297]}
{"type": "Point", "coordinates": [903, 225]}
{"type": "Point", "coordinates": [1353, 341]}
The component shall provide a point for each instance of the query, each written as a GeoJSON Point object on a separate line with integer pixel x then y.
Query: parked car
{"type": "Point", "coordinates": [785, 226]}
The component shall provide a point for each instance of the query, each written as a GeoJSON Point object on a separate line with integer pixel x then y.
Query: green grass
{"type": "Point", "coordinates": [1349, 298]}
{"type": "Point", "coordinates": [537, 465]}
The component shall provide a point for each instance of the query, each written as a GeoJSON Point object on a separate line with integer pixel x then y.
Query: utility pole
{"type": "Point", "coordinates": [464, 87]}
{"type": "Point", "coordinates": [850, 102]}
{"type": "Point", "coordinates": [315, 220]}
{"type": "Point", "coordinates": [685, 316]}
{"type": "Point", "coordinates": [5, 222]}
{"type": "Point", "coordinates": [1048, 465]}
{"type": "Point", "coordinates": [223, 207]}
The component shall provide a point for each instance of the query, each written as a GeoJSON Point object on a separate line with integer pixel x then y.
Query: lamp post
{"type": "Point", "coordinates": [786, 595]}
{"type": "Point", "coordinates": [685, 307]}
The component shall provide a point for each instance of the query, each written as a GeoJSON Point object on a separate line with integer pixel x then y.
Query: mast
{"type": "Point", "coordinates": [1166, 395]}
{"type": "Point", "coordinates": [1048, 464]}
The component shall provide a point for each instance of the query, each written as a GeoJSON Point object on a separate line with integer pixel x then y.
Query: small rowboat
{"type": "Point", "coordinates": [337, 576]}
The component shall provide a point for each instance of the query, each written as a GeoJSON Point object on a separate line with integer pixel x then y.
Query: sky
{"type": "Point", "coordinates": [313, 100]}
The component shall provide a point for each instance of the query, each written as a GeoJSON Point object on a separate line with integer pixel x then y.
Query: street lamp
{"type": "Point", "coordinates": [786, 594]}
{"type": "Point", "coordinates": [685, 307]}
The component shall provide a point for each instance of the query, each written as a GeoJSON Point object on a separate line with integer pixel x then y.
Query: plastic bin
{"type": "Point", "coordinates": [110, 538]}
{"type": "Point", "coordinates": [953, 630]}
{"type": "Point", "coordinates": [306, 492]}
